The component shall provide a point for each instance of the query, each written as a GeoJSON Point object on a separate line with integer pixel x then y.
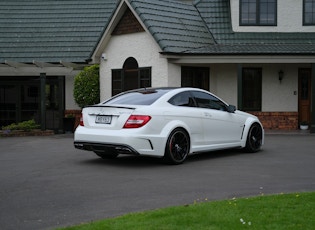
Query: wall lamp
{"type": "Point", "coordinates": [280, 73]}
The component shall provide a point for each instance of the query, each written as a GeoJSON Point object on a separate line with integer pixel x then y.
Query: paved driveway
{"type": "Point", "coordinates": [46, 183]}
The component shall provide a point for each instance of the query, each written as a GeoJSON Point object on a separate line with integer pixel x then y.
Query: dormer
{"type": "Point", "coordinates": [273, 15]}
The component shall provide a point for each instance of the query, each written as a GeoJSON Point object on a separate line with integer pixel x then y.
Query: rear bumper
{"type": "Point", "coordinates": [119, 141]}
{"type": "Point", "coordinates": [105, 148]}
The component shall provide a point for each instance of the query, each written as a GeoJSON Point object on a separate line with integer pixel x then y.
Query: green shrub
{"type": "Point", "coordinates": [87, 87]}
{"type": "Point", "coordinates": [25, 126]}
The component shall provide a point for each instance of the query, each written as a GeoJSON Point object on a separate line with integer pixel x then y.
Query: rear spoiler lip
{"type": "Point", "coordinates": [109, 106]}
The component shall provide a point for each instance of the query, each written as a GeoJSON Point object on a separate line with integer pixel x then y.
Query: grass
{"type": "Point", "coordinates": [283, 211]}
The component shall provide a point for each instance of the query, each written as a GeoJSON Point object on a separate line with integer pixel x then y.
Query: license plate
{"type": "Point", "coordinates": [101, 119]}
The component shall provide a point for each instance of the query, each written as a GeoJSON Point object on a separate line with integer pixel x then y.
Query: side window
{"type": "Point", "coordinates": [182, 99]}
{"type": "Point", "coordinates": [258, 12]}
{"type": "Point", "coordinates": [209, 101]}
{"type": "Point", "coordinates": [309, 12]}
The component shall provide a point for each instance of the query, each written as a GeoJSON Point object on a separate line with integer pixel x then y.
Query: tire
{"type": "Point", "coordinates": [254, 138]}
{"type": "Point", "coordinates": [106, 155]}
{"type": "Point", "coordinates": [177, 147]}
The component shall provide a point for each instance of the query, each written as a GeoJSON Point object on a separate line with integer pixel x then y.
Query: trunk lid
{"type": "Point", "coordinates": [108, 117]}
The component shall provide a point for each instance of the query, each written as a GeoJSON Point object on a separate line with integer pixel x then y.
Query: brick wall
{"type": "Point", "coordinates": [278, 120]}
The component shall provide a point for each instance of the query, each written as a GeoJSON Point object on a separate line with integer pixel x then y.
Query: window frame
{"type": "Point", "coordinates": [312, 23]}
{"type": "Point", "coordinates": [258, 14]}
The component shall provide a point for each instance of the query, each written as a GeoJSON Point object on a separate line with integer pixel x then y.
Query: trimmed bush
{"type": "Point", "coordinates": [87, 87]}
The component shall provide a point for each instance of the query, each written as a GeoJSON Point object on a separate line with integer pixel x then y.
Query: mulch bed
{"type": "Point", "coordinates": [21, 133]}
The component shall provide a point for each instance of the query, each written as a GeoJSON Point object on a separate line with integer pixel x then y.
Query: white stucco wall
{"type": "Point", "coordinates": [289, 18]}
{"type": "Point", "coordinates": [69, 99]}
{"type": "Point", "coordinates": [144, 49]}
{"type": "Point", "coordinates": [276, 96]}
{"type": "Point", "coordinates": [223, 82]}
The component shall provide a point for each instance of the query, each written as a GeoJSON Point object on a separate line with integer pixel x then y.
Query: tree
{"type": "Point", "coordinates": [87, 86]}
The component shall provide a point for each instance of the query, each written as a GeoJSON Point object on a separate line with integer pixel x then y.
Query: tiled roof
{"type": "Point", "coordinates": [68, 30]}
{"type": "Point", "coordinates": [205, 28]}
{"type": "Point", "coordinates": [216, 14]}
{"type": "Point", "coordinates": [176, 26]}
{"type": "Point", "coordinates": [51, 30]}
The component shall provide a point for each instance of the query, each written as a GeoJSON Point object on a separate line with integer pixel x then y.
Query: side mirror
{"type": "Point", "coordinates": [231, 108]}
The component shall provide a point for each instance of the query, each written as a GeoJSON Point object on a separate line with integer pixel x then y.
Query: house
{"type": "Point", "coordinates": [43, 45]}
{"type": "Point", "coordinates": [258, 55]}
{"type": "Point", "coordinates": [251, 53]}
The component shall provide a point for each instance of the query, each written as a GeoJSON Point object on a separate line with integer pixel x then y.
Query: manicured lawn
{"type": "Point", "coordinates": [283, 211]}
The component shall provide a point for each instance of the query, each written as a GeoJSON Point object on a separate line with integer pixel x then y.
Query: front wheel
{"type": "Point", "coordinates": [177, 146]}
{"type": "Point", "coordinates": [254, 138]}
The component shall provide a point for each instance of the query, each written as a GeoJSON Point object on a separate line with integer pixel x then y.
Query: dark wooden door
{"type": "Point", "coordinates": [304, 95]}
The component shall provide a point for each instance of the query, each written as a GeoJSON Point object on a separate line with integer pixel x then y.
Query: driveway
{"type": "Point", "coordinates": [46, 183]}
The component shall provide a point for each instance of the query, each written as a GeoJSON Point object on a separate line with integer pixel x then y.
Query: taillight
{"type": "Point", "coordinates": [81, 120]}
{"type": "Point", "coordinates": [136, 121]}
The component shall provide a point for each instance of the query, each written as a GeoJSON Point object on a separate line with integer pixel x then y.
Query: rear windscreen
{"type": "Point", "coordinates": [143, 97]}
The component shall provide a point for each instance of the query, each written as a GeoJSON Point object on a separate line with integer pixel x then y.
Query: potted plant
{"type": "Point", "coordinates": [304, 125]}
{"type": "Point", "coordinates": [68, 123]}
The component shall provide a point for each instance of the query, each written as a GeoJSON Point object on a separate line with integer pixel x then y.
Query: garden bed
{"type": "Point", "coordinates": [22, 133]}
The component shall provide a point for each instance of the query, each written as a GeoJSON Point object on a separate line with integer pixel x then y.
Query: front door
{"type": "Point", "coordinates": [304, 95]}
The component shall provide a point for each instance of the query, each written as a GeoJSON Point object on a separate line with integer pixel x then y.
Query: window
{"type": "Point", "coordinates": [195, 77]}
{"type": "Point", "coordinates": [258, 12]}
{"type": "Point", "coordinates": [138, 97]}
{"type": "Point", "coordinates": [252, 82]}
{"type": "Point", "coordinates": [209, 101]}
{"type": "Point", "coordinates": [130, 77]}
{"type": "Point", "coordinates": [183, 99]}
{"type": "Point", "coordinates": [309, 12]}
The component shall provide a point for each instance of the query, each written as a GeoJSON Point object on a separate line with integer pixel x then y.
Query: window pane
{"type": "Point", "coordinates": [195, 77]}
{"type": "Point", "coordinates": [309, 12]}
{"type": "Point", "coordinates": [139, 97]}
{"type": "Point", "coordinates": [182, 99]}
{"type": "Point", "coordinates": [248, 11]}
{"type": "Point", "coordinates": [258, 12]}
{"type": "Point", "coordinates": [267, 12]}
{"type": "Point", "coordinates": [252, 89]}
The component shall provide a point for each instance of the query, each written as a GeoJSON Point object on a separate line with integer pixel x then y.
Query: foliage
{"type": "Point", "coordinates": [283, 211]}
{"type": "Point", "coordinates": [86, 86]}
{"type": "Point", "coordinates": [25, 126]}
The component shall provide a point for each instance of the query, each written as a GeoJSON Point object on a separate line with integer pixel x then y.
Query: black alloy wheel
{"type": "Point", "coordinates": [254, 138]}
{"type": "Point", "coordinates": [177, 146]}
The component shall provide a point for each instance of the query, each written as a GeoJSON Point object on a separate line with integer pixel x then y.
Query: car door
{"type": "Point", "coordinates": [185, 111]}
{"type": "Point", "coordinates": [220, 126]}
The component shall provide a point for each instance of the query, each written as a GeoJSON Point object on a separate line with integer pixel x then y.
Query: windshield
{"type": "Point", "coordinates": [141, 97]}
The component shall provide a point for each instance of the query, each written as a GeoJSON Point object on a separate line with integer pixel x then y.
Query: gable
{"type": "Point", "coordinates": [127, 24]}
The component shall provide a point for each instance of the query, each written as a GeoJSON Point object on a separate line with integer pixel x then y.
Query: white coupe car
{"type": "Point", "coordinates": [166, 122]}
